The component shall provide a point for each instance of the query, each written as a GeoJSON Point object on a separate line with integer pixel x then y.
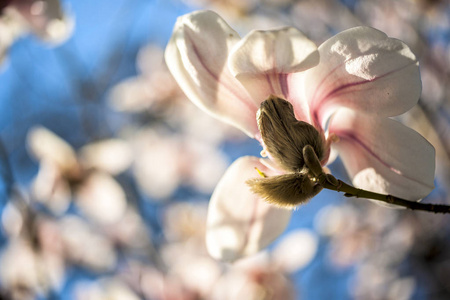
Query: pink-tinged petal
{"type": "Point", "coordinates": [45, 18]}
{"type": "Point", "coordinates": [383, 155]}
{"type": "Point", "coordinates": [284, 50]}
{"type": "Point", "coordinates": [363, 69]}
{"type": "Point", "coordinates": [263, 61]}
{"type": "Point", "coordinates": [239, 222]}
{"type": "Point", "coordinates": [196, 56]}
{"type": "Point", "coordinates": [297, 96]}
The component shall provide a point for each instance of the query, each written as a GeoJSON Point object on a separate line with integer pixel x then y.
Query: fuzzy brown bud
{"type": "Point", "coordinates": [284, 136]}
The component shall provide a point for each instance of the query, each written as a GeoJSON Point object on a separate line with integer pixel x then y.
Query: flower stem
{"type": "Point", "coordinates": [350, 191]}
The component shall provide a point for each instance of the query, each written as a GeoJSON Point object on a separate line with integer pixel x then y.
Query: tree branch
{"type": "Point", "coordinates": [328, 181]}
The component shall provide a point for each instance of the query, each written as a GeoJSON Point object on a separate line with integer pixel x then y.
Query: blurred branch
{"type": "Point", "coordinates": [6, 169]}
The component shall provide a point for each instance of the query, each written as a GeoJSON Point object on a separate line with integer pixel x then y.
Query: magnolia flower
{"type": "Point", "coordinates": [282, 90]}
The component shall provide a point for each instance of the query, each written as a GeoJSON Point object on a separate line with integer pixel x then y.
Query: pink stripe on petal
{"type": "Point", "coordinates": [222, 76]}
{"type": "Point", "coordinates": [351, 137]}
{"type": "Point", "coordinates": [401, 160]}
{"type": "Point", "coordinates": [336, 95]}
{"type": "Point", "coordinates": [363, 69]}
{"type": "Point", "coordinates": [197, 56]}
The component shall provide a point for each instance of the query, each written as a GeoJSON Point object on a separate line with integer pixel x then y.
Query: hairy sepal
{"type": "Point", "coordinates": [287, 190]}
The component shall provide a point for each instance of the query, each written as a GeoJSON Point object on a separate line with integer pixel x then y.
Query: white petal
{"type": "Point", "coordinates": [284, 50]}
{"type": "Point", "coordinates": [20, 265]}
{"type": "Point", "coordinates": [239, 222]}
{"type": "Point", "coordinates": [12, 220]}
{"type": "Point", "coordinates": [157, 163]}
{"type": "Point", "coordinates": [196, 56]}
{"type": "Point", "coordinates": [363, 69]}
{"type": "Point", "coordinates": [45, 145]}
{"type": "Point", "coordinates": [263, 60]}
{"type": "Point", "coordinates": [85, 245]}
{"type": "Point", "coordinates": [296, 250]}
{"type": "Point", "coordinates": [50, 188]}
{"type": "Point", "coordinates": [101, 198]}
{"type": "Point", "coordinates": [383, 155]}
{"type": "Point", "coordinates": [113, 156]}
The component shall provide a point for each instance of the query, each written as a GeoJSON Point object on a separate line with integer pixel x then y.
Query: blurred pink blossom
{"type": "Point", "coordinates": [85, 176]}
{"type": "Point", "coordinates": [44, 18]}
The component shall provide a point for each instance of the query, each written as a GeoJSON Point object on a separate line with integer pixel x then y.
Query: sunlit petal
{"type": "Point", "coordinates": [239, 222]}
{"type": "Point", "coordinates": [383, 155]}
{"type": "Point", "coordinates": [263, 60]}
{"type": "Point", "coordinates": [196, 56]}
{"type": "Point", "coordinates": [363, 69]}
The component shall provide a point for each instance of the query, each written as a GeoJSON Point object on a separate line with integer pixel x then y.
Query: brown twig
{"type": "Point", "coordinates": [350, 191]}
{"type": "Point", "coordinates": [328, 181]}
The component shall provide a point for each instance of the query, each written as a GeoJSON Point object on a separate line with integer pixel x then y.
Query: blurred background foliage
{"type": "Point", "coordinates": [106, 168]}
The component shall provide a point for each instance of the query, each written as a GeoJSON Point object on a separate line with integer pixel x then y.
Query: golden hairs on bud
{"type": "Point", "coordinates": [284, 136]}
{"type": "Point", "coordinates": [288, 190]}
